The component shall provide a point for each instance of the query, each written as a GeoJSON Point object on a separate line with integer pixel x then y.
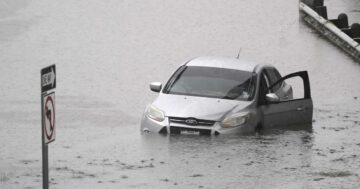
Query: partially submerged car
{"type": "Point", "coordinates": [217, 95]}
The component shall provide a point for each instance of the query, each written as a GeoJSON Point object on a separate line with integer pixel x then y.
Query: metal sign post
{"type": "Point", "coordinates": [48, 82]}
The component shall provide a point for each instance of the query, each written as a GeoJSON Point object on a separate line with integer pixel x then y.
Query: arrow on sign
{"type": "Point", "coordinates": [49, 78]}
{"type": "Point", "coordinates": [52, 77]}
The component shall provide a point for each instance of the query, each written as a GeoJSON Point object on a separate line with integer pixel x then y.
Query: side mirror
{"type": "Point", "coordinates": [272, 97]}
{"type": "Point", "coordinates": [155, 86]}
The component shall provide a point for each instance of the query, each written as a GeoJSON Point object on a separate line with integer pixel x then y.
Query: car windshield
{"type": "Point", "coordinates": [212, 82]}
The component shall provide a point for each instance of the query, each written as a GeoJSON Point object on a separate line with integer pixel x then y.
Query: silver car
{"type": "Point", "coordinates": [217, 95]}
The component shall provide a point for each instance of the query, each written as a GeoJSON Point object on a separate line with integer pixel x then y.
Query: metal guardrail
{"type": "Point", "coordinates": [330, 31]}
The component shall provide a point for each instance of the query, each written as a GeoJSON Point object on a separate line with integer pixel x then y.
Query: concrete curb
{"type": "Point", "coordinates": [330, 31]}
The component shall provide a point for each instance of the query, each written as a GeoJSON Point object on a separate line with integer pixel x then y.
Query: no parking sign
{"type": "Point", "coordinates": [49, 117]}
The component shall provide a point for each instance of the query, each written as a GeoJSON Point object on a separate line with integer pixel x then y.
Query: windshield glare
{"type": "Point", "coordinates": [212, 82]}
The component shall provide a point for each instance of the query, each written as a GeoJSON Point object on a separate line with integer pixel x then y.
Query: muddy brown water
{"type": "Point", "coordinates": [107, 52]}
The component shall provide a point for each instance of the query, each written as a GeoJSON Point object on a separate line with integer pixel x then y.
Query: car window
{"type": "Point", "coordinates": [174, 77]}
{"type": "Point", "coordinates": [212, 82]}
{"type": "Point", "coordinates": [273, 76]}
{"type": "Point", "coordinates": [263, 89]}
{"type": "Point", "coordinates": [296, 87]}
{"type": "Point", "coordinates": [266, 82]}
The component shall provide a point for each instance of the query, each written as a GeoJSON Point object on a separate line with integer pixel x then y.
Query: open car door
{"type": "Point", "coordinates": [291, 111]}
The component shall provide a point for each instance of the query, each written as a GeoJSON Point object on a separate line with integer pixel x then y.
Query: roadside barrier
{"type": "Point", "coordinates": [337, 30]}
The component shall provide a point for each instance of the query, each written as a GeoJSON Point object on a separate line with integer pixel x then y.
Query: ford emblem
{"type": "Point", "coordinates": [191, 122]}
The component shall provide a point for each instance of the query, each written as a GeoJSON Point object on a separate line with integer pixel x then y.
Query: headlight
{"type": "Point", "coordinates": [235, 120]}
{"type": "Point", "coordinates": [155, 114]}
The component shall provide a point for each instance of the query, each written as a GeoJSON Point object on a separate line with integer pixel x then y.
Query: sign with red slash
{"type": "Point", "coordinates": [49, 117]}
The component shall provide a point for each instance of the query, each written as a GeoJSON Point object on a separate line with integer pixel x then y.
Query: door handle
{"type": "Point", "coordinates": [300, 108]}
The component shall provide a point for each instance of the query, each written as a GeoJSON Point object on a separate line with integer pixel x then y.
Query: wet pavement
{"type": "Point", "coordinates": [106, 53]}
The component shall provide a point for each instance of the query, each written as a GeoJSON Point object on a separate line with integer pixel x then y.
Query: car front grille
{"type": "Point", "coordinates": [191, 121]}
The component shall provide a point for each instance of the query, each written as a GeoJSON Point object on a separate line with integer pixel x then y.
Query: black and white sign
{"type": "Point", "coordinates": [48, 84]}
{"type": "Point", "coordinates": [48, 78]}
{"type": "Point", "coordinates": [49, 117]}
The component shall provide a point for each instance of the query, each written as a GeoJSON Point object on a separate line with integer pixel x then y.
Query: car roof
{"type": "Point", "coordinates": [225, 62]}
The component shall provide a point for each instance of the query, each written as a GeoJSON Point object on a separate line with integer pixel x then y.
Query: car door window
{"type": "Point", "coordinates": [297, 86]}
{"type": "Point", "coordinates": [273, 76]}
{"type": "Point", "coordinates": [263, 89]}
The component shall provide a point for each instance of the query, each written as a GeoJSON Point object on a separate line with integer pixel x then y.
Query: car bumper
{"type": "Point", "coordinates": [151, 126]}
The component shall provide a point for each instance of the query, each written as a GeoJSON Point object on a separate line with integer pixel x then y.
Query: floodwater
{"type": "Point", "coordinates": [106, 53]}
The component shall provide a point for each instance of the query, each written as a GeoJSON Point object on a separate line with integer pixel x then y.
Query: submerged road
{"type": "Point", "coordinates": [107, 52]}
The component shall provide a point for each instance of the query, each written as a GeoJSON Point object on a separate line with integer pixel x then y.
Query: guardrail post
{"type": "Point", "coordinates": [318, 3]}
{"type": "Point", "coordinates": [322, 11]}
{"type": "Point", "coordinates": [313, 3]}
{"type": "Point", "coordinates": [355, 30]}
{"type": "Point", "coordinates": [343, 21]}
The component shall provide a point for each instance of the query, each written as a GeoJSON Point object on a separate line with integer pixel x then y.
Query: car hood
{"type": "Point", "coordinates": [197, 107]}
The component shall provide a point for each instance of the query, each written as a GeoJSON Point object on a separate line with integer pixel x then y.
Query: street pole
{"type": "Point", "coordinates": [45, 167]}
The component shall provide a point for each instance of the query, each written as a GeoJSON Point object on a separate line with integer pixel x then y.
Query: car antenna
{"type": "Point", "coordinates": [238, 56]}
